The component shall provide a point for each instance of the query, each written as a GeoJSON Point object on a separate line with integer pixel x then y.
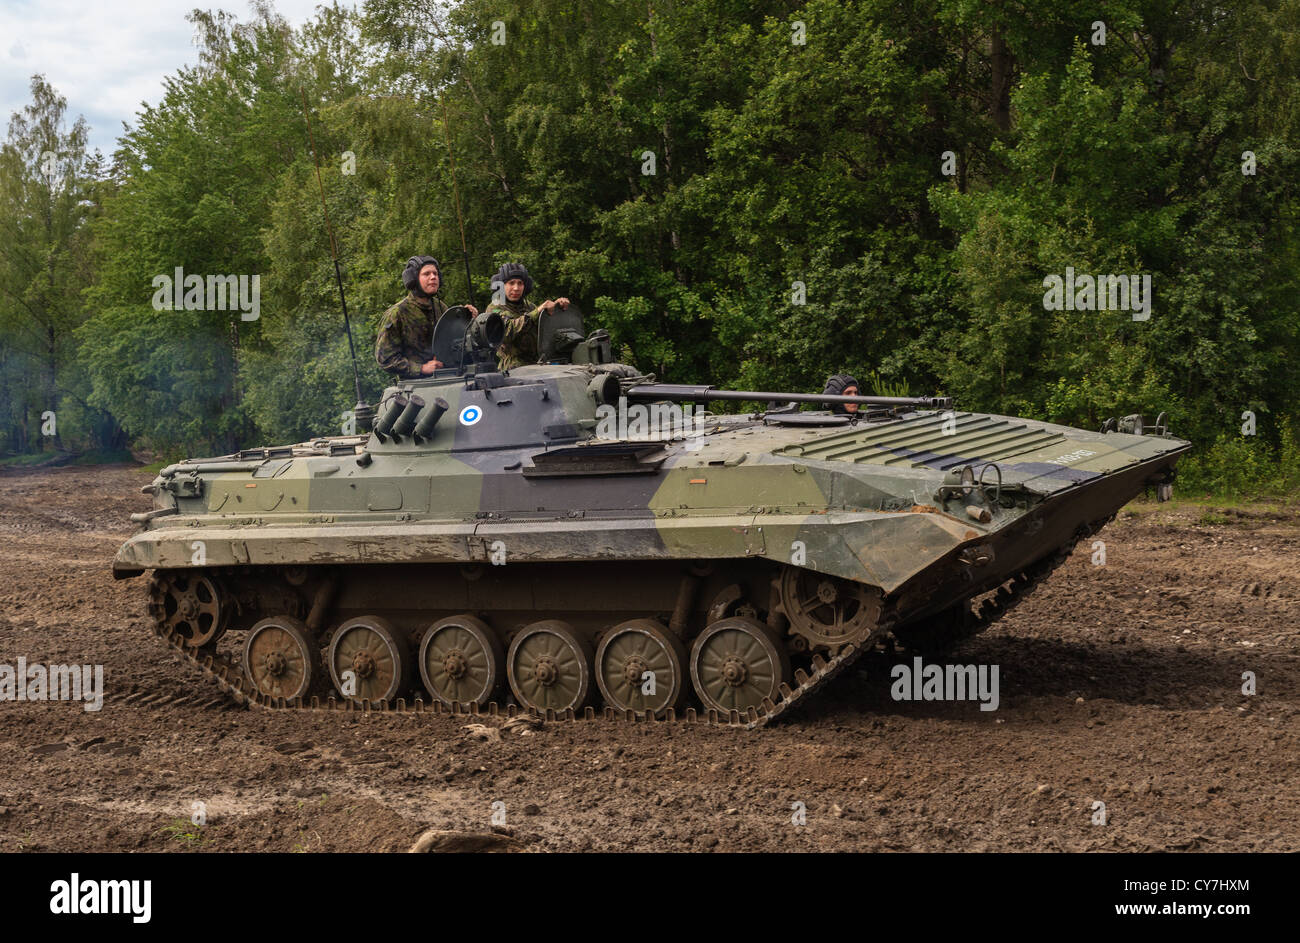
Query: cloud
{"type": "Point", "coordinates": [108, 57]}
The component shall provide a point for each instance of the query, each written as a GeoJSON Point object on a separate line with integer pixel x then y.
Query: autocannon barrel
{"type": "Point", "coordinates": [703, 394]}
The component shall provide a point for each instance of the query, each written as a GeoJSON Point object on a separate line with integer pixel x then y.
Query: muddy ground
{"type": "Point", "coordinates": [1120, 684]}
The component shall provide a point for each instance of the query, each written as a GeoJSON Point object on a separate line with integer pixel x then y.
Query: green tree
{"type": "Point", "coordinates": [46, 190]}
{"type": "Point", "coordinates": [195, 178]}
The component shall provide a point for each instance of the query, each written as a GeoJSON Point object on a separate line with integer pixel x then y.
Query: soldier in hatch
{"type": "Point", "coordinates": [842, 384]}
{"type": "Point", "coordinates": [404, 346]}
{"type": "Point", "coordinates": [837, 384]}
{"type": "Point", "coordinates": [520, 344]}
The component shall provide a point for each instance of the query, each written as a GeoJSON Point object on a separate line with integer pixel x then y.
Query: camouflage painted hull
{"type": "Point", "coordinates": [513, 511]}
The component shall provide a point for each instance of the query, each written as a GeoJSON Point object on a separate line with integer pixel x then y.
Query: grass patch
{"type": "Point", "coordinates": [1236, 467]}
{"type": "Point", "coordinates": [63, 459]}
{"type": "Point", "coordinates": [1204, 510]}
{"type": "Point", "coordinates": [183, 830]}
{"type": "Point", "coordinates": [306, 844]}
{"type": "Point", "coordinates": [22, 461]}
{"type": "Point", "coordinates": [101, 457]}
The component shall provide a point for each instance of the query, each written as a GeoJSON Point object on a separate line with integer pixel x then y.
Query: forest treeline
{"type": "Point", "coordinates": [749, 193]}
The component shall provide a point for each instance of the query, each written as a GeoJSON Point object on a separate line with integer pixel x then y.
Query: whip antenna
{"type": "Point", "coordinates": [362, 411]}
{"type": "Point", "coordinates": [455, 192]}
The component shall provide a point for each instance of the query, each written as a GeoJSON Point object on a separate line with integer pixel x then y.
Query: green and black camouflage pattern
{"type": "Point", "coordinates": [519, 346]}
{"type": "Point", "coordinates": [405, 339]}
{"type": "Point", "coordinates": [522, 463]}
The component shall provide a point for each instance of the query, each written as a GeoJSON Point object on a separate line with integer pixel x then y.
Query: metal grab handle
{"type": "Point", "coordinates": [993, 504]}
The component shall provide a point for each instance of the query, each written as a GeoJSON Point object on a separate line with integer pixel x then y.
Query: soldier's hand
{"type": "Point", "coordinates": [472, 310]}
{"type": "Point", "coordinates": [430, 366]}
{"type": "Point", "coordinates": [562, 302]}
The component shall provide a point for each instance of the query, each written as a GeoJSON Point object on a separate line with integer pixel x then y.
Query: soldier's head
{"type": "Point", "coordinates": [421, 275]}
{"type": "Point", "coordinates": [842, 384]}
{"type": "Point", "coordinates": [514, 280]}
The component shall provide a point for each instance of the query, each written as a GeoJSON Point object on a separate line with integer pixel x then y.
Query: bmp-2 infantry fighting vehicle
{"type": "Point", "coordinates": [540, 535]}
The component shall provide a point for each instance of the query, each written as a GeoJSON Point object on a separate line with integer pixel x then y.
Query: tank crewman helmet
{"type": "Point", "coordinates": [411, 274]}
{"type": "Point", "coordinates": [513, 270]}
{"type": "Point", "coordinates": [836, 385]}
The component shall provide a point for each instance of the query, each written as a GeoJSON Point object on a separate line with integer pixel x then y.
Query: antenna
{"type": "Point", "coordinates": [362, 411]}
{"type": "Point", "coordinates": [455, 191]}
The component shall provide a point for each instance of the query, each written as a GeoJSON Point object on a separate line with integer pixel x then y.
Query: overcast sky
{"type": "Point", "coordinates": [105, 56]}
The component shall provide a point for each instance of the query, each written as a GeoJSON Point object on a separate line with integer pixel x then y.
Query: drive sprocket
{"type": "Point", "coordinates": [826, 611]}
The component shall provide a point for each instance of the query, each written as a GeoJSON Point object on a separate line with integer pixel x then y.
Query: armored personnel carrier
{"type": "Point", "coordinates": [572, 534]}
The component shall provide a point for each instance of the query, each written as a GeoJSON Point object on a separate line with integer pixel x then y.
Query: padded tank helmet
{"type": "Point", "coordinates": [836, 385]}
{"type": "Point", "coordinates": [411, 274]}
{"type": "Point", "coordinates": [513, 270]}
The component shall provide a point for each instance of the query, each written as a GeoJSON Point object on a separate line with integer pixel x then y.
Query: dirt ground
{"type": "Point", "coordinates": [1120, 684]}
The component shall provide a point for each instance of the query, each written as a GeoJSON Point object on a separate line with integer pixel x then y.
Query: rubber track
{"type": "Point", "coordinates": [229, 677]}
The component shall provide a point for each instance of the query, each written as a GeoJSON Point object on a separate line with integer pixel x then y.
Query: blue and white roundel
{"type": "Point", "coordinates": [470, 415]}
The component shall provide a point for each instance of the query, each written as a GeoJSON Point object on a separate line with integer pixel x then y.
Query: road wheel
{"type": "Point", "coordinates": [281, 659]}
{"type": "Point", "coordinates": [461, 661]}
{"type": "Point", "coordinates": [641, 666]}
{"type": "Point", "coordinates": [550, 666]}
{"type": "Point", "coordinates": [368, 660]}
{"type": "Point", "coordinates": [736, 662]}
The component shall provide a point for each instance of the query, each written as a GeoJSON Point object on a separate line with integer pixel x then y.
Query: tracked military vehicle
{"type": "Point", "coordinates": [572, 535]}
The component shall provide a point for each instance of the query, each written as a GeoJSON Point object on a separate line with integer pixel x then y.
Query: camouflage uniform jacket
{"type": "Point", "coordinates": [405, 338]}
{"type": "Point", "coordinates": [520, 344]}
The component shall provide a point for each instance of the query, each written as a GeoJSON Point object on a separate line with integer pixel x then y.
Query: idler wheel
{"type": "Point", "coordinates": [368, 660]}
{"type": "Point", "coordinates": [192, 605]}
{"type": "Point", "coordinates": [736, 662]}
{"type": "Point", "coordinates": [630, 650]}
{"type": "Point", "coordinates": [461, 661]}
{"type": "Point", "coordinates": [281, 658]}
{"type": "Point", "coordinates": [550, 666]}
{"type": "Point", "coordinates": [827, 612]}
